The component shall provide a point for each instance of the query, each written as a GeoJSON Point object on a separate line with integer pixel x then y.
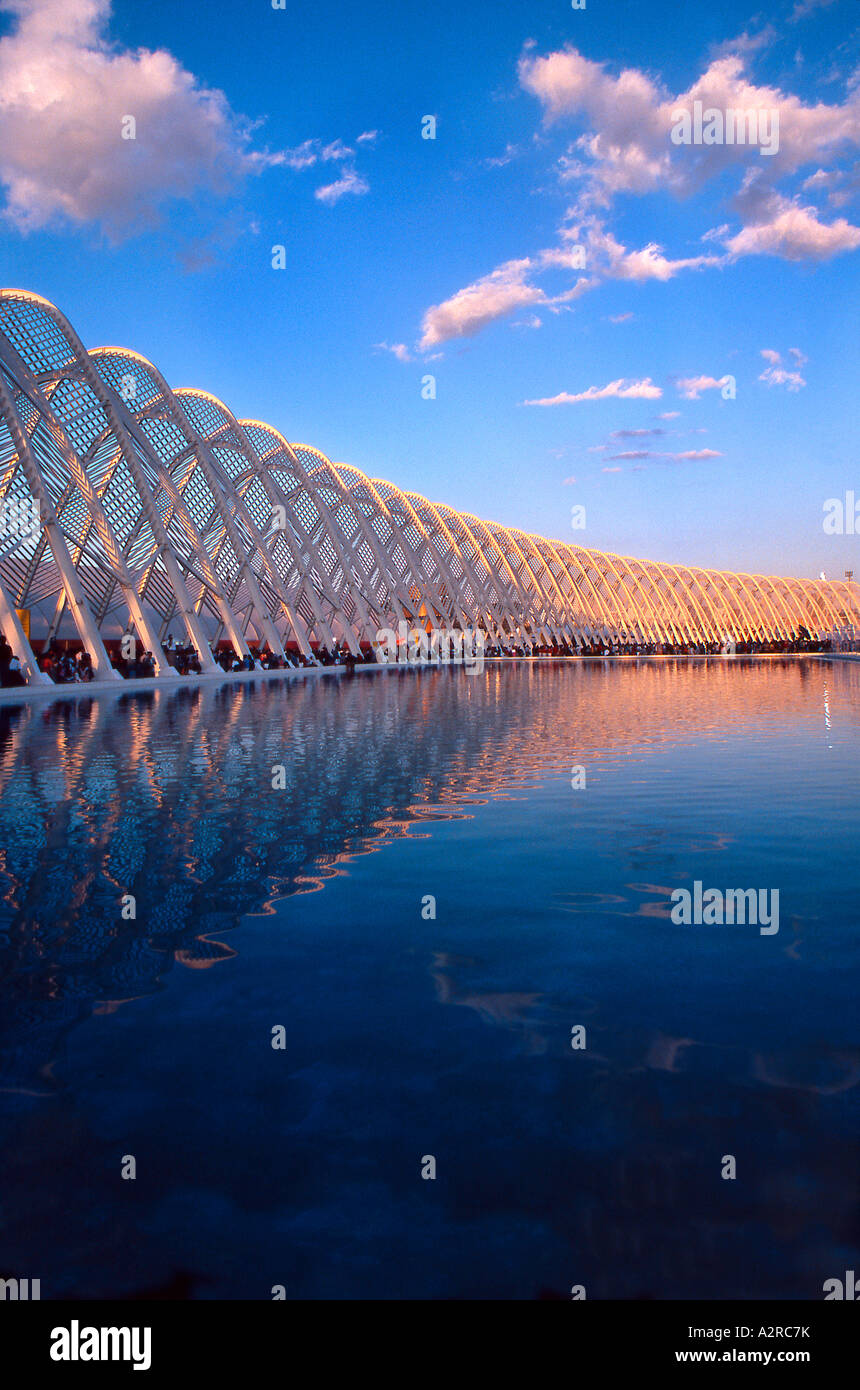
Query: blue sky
{"type": "Point", "coordinates": [457, 256]}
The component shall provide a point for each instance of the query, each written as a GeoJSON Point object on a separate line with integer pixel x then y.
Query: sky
{"type": "Point", "coordinates": [663, 333]}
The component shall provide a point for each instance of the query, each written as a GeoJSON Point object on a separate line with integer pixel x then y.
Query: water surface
{"type": "Point", "coordinates": [408, 1035]}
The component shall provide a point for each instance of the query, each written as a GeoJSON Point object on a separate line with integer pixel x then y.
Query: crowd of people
{"type": "Point", "coordinates": [801, 641]}
{"type": "Point", "coordinates": [67, 667]}
{"type": "Point", "coordinates": [265, 660]}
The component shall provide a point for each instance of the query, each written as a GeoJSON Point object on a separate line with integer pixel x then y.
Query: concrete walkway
{"type": "Point", "coordinates": [39, 694]}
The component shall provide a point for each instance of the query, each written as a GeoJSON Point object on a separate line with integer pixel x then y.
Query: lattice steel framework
{"type": "Point", "coordinates": [158, 511]}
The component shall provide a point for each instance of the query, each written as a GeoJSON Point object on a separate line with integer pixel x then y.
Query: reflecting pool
{"type": "Point", "coordinates": [405, 873]}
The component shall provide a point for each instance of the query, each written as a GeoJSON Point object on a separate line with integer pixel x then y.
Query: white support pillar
{"type": "Point", "coordinates": [80, 608]}
{"type": "Point", "coordinates": [11, 625]}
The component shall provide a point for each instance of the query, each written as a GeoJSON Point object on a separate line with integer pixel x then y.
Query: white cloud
{"type": "Point", "coordinates": [398, 350]}
{"type": "Point", "coordinates": [634, 434]}
{"type": "Point", "coordinates": [669, 415]}
{"type": "Point", "coordinates": [609, 259]}
{"type": "Point", "coordinates": [472, 308]}
{"type": "Point", "coordinates": [795, 234]}
{"type": "Point", "coordinates": [492, 297]}
{"type": "Point", "coordinates": [620, 389]}
{"type": "Point", "coordinates": [511, 286]}
{"type": "Point", "coordinates": [304, 156]}
{"type": "Point", "coordinates": [313, 152]}
{"type": "Point", "coordinates": [626, 144]}
{"type": "Point", "coordinates": [688, 455]}
{"type": "Point", "coordinates": [336, 149]}
{"type": "Point", "coordinates": [691, 387]}
{"type": "Point", "coordinates": [775, 374]}
{"type": "Point", "coordinates": [350, 182]}
{"type": "Point", "coordinates": [823, 178]}
{"type": "Point", "coordinates": [628, 148]}
{"type": "Point", "coordinates": [803, 8]}
{"type": "Point", "coordinates": [64, 91]}
{"type": "Point", "coordinates": [498, 161]}
{"type": "Point", "coordinates": [624, 147]}
{"type": "Point", "coordinates": [746, 43]}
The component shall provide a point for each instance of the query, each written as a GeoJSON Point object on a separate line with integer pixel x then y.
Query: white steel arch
{"type": "Point", "coordinates": [157, 507]}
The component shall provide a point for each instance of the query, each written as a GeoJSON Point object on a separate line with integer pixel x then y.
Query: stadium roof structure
{"type": "Point", "coordinates": [128, 506]}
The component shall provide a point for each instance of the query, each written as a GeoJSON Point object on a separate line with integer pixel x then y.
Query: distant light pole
{"type": "Point", "coordinates": [849, 575]}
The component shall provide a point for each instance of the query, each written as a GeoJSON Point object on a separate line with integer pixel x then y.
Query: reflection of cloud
{"type": "Point", "coordinates": [793, 1072]}
{"type": "Point", "coordinates": [664, 1052]}
{"type": "Point", "coordinates": [500, 1008]}
{"type": "Point", "coordinates": [505, 1010]}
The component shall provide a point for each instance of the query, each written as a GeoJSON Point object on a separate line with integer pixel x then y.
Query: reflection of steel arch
{"type": "Point", "coordinates": [158, 511]}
